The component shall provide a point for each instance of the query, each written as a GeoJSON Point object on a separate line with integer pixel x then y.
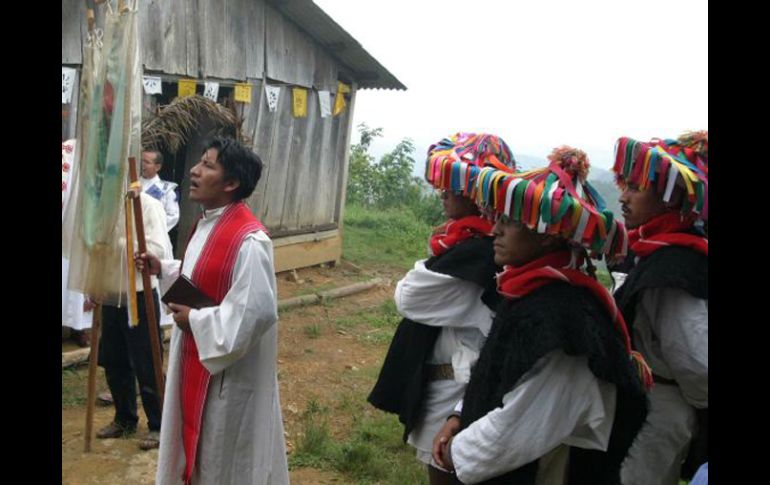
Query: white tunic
{"type": "Point", "coordinates": [455, 305]}
{"type": "Point", "coordinates": [72, 314]}
{"type": "Point", "coordinates": [163, 191]}
{"type": "Point", "coordinates": [242, 438]}
{"type": "Point", "coordinates": [557, 404]}
{"type": "Point", "coordinates": [671, 332]}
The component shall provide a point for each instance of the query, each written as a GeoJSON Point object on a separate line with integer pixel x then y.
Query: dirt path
{"type": "Point", "coordinates": [323, 356]}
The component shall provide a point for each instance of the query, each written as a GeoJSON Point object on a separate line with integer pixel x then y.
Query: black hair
{"type": "Point", "coordinates": [239, 163]}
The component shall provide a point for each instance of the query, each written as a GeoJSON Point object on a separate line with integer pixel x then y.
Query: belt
{"type": "Point", "coordinates": [441, 372]}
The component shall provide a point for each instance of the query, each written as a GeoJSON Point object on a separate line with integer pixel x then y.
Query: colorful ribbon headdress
{"type": "Point", "coordinates": [454, 163]}
{"type": "Point", "coordinates": [555, 200]}
{"type": "Point", "coordinates": [663, 164]}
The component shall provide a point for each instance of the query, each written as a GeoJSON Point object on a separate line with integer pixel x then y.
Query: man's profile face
{"type": "Point", "coordinates": [639, 206]}
{"type": "Point", "coordinates": [515, 244]}
{"type": "Point", "coordinates": [207, 185]}
{"type": "Point", "coordinates": [149, 168]}
{"type": "Point", "coordinates": [456, 206]}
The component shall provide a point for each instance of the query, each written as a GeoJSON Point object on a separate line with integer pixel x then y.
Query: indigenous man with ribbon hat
{"type": "Point", "coordinates": [664, 299]}
{"type": "Point", "coordinates": [557, 396]}
{"type": "Point", "coordinates": [447, 300]}
{"type": "Point", "coordinates": [221, 413]}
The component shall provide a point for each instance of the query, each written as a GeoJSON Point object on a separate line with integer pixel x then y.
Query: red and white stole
{"type": "Point", "coordinates": [212, 274]}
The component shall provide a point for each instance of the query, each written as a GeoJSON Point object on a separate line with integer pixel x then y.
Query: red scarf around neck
{"type": "Point", "coordinates": [212, 274]}
{"type": "Point", "coordinates": [518, 282]}
{"type": "Point", "coordinates": [666, 230]}
{"type": "Point", "coordinates": [456, 231]}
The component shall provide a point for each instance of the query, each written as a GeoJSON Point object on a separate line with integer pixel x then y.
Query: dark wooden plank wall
{"type": "Point", "coordinates": [166, 46]}
{"type": "Point", "coordinates": [74, 26]}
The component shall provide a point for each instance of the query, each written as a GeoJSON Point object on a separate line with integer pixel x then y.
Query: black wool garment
{"type": "Point", "coordinates": [403, 378]}
{"type": "Point", "coordinates": [559, 316]}
{"type": "Point", "coordinates": [668, 267]}
{"type": "Point", "coordinates": [671, 267]}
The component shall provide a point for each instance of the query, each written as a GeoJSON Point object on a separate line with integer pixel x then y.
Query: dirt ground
{"type": "Point", "coordinates": [317, 360]}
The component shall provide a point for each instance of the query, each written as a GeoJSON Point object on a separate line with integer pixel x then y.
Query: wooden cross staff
{"type": "Point", "coordinates": [149, 305]}
{"type": "Point", "coordinates": [95, 329]}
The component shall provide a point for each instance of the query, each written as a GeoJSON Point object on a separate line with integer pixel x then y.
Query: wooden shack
{"type": "Point", "coordinates": [289, 43]}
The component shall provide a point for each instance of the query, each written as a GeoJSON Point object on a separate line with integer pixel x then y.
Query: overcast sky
{"type": "Point", "coordinates": [538, 73]}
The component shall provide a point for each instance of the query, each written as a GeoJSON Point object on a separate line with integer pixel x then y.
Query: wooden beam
{"type": "Point", "coordinates": [342, 184]}
{"type": "Point", "coordinates": [303, 238]}
{"type": "Point", "coordinates": [310, 253]}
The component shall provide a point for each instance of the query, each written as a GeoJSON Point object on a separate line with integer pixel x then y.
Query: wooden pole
{"type": "Point", "coordinates": [90, 16]}
{"type": "Point", "coordinates": [96, 328]}
{"type": "Point", "coordinates": [149, 304]}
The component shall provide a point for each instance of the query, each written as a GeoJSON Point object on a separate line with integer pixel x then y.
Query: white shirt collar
{"type": "Point", "coordinates": [214, 213]}
{"type": "Point", "coordinates": [154, 180]}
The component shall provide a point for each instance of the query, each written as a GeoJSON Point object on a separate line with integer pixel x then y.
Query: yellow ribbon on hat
{"type": "Point", "coordinates": [688, 176]}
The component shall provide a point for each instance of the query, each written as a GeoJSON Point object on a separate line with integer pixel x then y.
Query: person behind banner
{"type": "Point", "coordinates": [447, 300]}
{"type": "Point", "coordinates": [165, 193]}
{"type": "Point", "coordinates": [557, 395]}
{"type": "Point", "coordinates": [76, 309]}
{"type": "Point", "coordinates": [664, 299]}
{"type": "Point", "coordinates": [221, 415]}
{"type": "Point", "coordinates": [125, 351]}
{"type": "Point", "coordinates": [162, 190]}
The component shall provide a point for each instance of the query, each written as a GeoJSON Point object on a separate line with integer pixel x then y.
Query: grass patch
{"type": "Point", "coordinates": [312, 331]}
{"type": "Point", "coordinates": [377, 237]}
{"type": "Point", "coordinates": [382, 316]}
{"type": "Point", "coordinates": [315, 289]}
{"type": "Point", "coordinates": [372, 453]}
{"type": "Point", "coordinates": [73, 388]}
{"type": "Point", "coordinates": [376, 325]}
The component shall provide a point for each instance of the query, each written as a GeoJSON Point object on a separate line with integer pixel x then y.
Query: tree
{"type": "Point", "coordinates": [361, 174]}
{"type": "Point", "coordinates": [389, 183]}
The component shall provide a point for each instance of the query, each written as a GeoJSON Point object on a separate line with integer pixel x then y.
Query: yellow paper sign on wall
{"type": "Point", "coordinates": [339, 100]}
{"type": "Point", "coordinates": [243, 93]}
{"type": "Point", "coordinates": [300, 102]}
{"type": "Point", "coordinates": [186, 87]}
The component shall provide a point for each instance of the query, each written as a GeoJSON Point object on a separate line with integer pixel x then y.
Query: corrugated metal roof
{"type": "Point", "coordinates": [367, 71]}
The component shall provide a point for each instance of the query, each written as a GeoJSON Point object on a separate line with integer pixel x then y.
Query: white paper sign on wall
{"type": "Point", "coordinates": [211, 91]}
{"type": "Point", "coordinates": [271, 94]}
{"type": "Point", "coordinates": [325, 101]}
{"type": "Point", "coordinates": [152, 84]}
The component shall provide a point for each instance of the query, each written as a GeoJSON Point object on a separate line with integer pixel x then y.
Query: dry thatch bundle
{"type": "Point", "coordinates": [175, 122]}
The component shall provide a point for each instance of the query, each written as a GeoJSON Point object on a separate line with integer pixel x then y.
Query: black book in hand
{"type": "Point", "coordinates": [184, 292]}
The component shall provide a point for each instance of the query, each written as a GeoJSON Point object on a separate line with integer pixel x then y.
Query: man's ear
{"type": "Point", "coordinates": [232, 185]}
{"type": "Point", "coordinates": [552, 242]}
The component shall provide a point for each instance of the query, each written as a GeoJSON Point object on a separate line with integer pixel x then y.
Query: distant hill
{"type": "Point", "coordinates": [528, 162]}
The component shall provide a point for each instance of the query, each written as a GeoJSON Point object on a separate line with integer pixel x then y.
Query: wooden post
{"type": "Point", "coordinates": [96, 328]}
{"type": "Point", "coordinates": [90, 16]}
{"type": "Point", "coordinates": [342, 183]}
{"type": "Point", "coordinates": [149, 304]}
